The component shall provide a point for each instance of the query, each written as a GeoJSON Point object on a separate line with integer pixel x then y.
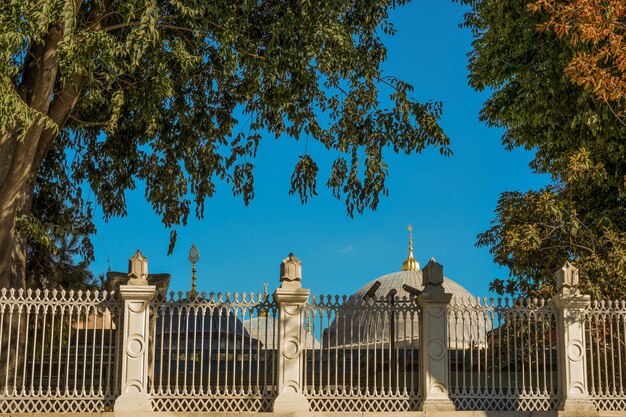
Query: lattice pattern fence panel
{"type": "Point", "coordinates": [503, 354]}
{"type": "Point", "coordinates": [361, 355]}
{"type": "Point", "coordinates": [605, 326]}
{"type": "Point", "coordinates": [214, 353]}
{"type": "Point", "coordinates": [58, 351]}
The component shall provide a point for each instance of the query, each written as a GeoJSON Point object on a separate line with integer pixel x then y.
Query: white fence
{"type": "Point", "coordinates": [58, 351]}
{"type": "Point", "coordinates": [93, 352]}
{"type": "Point", "coordinates": [213, 353]}
{"type": "Point", "coordinates": [364, 354]}
{"type": "Point", "coordinates": [503, 354]}
{"type": "Point", "coordinates": [605, 325]}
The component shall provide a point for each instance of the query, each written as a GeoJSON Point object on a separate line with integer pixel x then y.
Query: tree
{"type": "Point", "coordinates": [178, 95]}
{"type": "Point", "coordinates": [581, 214]}
{"type": "Point", "coordinates": [58, 236]}
{"type": "Point", "coordinates": [597, 31]}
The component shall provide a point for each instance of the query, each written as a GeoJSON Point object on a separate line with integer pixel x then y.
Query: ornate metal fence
{"type": "Point", "coordinates": [503, 354]}
{"type": "Point", "coordinates": [213, 353]}
{"type": "Point", "coordinates": [91, 352]}
{"type": "Point", "coordinates": [605, 325]}
{"type": "Point", "coordinates": [58, 351]}
{"type": "Point", "coordinates": [362, 354]}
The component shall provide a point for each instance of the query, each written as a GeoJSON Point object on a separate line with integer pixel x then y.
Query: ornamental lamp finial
{"type": "Point", "coordinates": [194, 256]}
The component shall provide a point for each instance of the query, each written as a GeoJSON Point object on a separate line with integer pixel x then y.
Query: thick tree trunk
{"type": "Point", "coordinates": [12, 249]}
{"type": "Point", "coordinates": [20, 161]}
{"type": "Point", "coordinates": [19, 164]}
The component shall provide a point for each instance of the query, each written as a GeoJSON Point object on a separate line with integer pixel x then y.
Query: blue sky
{"type": "Point", "coordinates": [447, 200]}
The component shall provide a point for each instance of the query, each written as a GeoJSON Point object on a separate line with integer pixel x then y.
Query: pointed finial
{"type": "Point", "coordinates": [291, 272]}
{"type": "Point", "coordinates": [410, 264]}
{"type": "Point", "coordinates": [567, 280]}
{"type": "Point", "coordinates": [194, 256]}
{"type": "Point", "coordinates": [433, 276]}
{"type": "Point", "coordinates": [138, 269]}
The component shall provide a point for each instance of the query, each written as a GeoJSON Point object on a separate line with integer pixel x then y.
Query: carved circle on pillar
{"type": "Point", "coordinates": [576, 388]}
{"type": "Point", "coordinates": [436, 312]}
{"type": "Point", "coordinates": [290, 386]}
{"type": "Point", "coordinates": [436, 349]}
{"type": "Point", "coordinates": [575, 351]}
{"type": "Point", "coordinates": [136, 306]}
{"type": "Point", "coordinates": [437, 388]}
{"type": "Point", "coordinates": [573, 315]}
{"type": "Point", "coordinates": [291, 310]}
{"type": "Point", "coordinates": [134, 346]}
{"type": "Point", "coordinates": [133, 386]}
{"type": "Point", "coordinates": [291, 347]}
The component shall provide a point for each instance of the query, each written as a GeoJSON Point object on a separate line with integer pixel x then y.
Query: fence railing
{"type": "Point", "coordinates": [58, 351]}
{"type": "Point", "coordinates": [363, 355]}
{"type": "Point", "coordinates": [290, 352]}
{"type": "Point", "coordinates": [503, 354]}
{"type": "Point", "coordinates": [605, 326]}
{"type": "Point", "coordinates": [213, 352]}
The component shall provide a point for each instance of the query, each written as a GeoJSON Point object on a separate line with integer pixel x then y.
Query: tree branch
{"type": "Point", "coordinates": [60, 110]}
{"type": "Point", "coordinates": [85, 122]}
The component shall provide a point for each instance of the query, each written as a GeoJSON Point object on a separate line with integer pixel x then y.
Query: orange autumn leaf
{"type": "Point", "coordinates": [597, 29]}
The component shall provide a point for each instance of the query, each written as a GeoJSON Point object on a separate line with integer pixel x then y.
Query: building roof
{"type": "Point", "coordinates": [366, 317]}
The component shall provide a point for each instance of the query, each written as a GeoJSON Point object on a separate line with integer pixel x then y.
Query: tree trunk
{"type": "Point", "coordinates": [12, 248]}
{"type": "Point", "coordinates": [20, 159]}
{"type": "Point", "coordinates": [19, 162]}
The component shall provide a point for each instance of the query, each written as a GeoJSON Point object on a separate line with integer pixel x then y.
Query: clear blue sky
{"type": "Point", "coordinates": [447, 200]}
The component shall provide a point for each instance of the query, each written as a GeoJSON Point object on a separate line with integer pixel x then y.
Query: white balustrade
{"type": "Point", "coordinates": [59, 351]}
{"type": "Point", "coordinates": [503, 354]}
{"type": "Point", "coordinates": [94, 352]}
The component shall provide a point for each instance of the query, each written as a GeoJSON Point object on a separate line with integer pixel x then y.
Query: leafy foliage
{"type": "Point", "coordinates": [59, 228]}
{"type": "Point", "coordinates": [178, 95]}
{"type": "Point", "coordinates": [597, 31]}
{"type": "Point", "coordinates": [581, 215]}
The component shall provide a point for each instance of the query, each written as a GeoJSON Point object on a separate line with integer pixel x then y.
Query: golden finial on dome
{"type": "Point", "coordinates": [410, 264]}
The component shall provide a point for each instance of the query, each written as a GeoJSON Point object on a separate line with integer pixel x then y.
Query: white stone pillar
{"type": "Point", "coordinates": [290, 298]}
{"type": "Point", "coordinates": [434, 340]}
{"type": "Point", "coordinates": [571, 305]}
{"type": "Point", "coordinates": [133, 354]}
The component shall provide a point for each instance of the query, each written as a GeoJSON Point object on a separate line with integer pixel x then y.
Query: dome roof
{"type": "Point", "coordinates": [361, 322]}
{"type": "Point", "coordinates": [414, 278]}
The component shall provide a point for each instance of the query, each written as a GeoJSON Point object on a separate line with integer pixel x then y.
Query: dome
{"type": "Point", "coordinates": [368, 322]}
{"type": "Point", "coordinates": [412, 278]}
{"type": "Point", "coordinates": [265, 330]}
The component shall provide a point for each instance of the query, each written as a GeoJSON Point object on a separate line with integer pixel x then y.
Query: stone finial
{"type": "Point", "coordinates": [433, 276]}
{"type": "Point", "coordinates": [567, 280]}
{"type": "Point", "coordinates": [138, 269]}
{"type": "Point", "coordinates": [291, 272]}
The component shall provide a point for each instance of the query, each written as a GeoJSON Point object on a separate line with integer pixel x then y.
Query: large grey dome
{"type": "Point", "coordinates": [368, 322]}
{"type": "Point", "coordinates": [395, 280]}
